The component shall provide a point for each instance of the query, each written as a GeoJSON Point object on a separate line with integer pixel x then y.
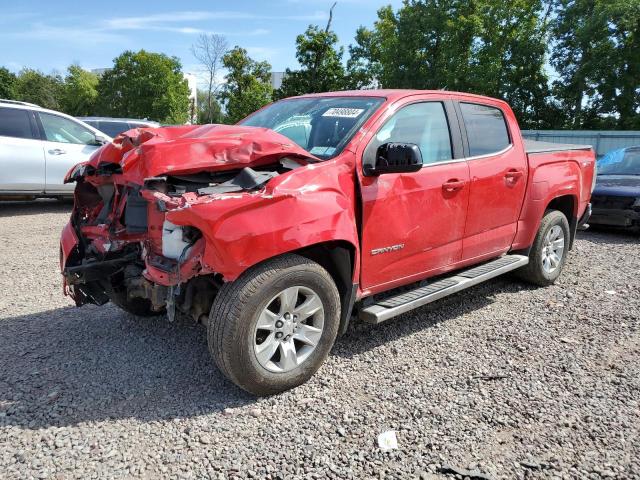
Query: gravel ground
{"type": "Point", "coordinates": [505, 379]}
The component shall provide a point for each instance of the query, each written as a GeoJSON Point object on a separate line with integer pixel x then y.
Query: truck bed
{"type": "Point", "coordinates": [534, 146]}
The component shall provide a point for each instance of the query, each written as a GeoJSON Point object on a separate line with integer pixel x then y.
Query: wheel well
{"type": "Point", "coordinates": [337, 258]}
{"type": "Point", "coordinates": [566, 204]}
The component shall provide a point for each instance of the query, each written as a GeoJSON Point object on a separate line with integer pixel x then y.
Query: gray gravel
{"type": "Point", "coordinates": [505, 379]}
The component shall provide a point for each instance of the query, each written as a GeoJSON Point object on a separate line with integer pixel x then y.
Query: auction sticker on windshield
{"type": "Point", "coordinates": [343, 112]}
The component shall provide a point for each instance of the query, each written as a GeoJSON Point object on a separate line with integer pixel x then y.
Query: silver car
{"type": "Point", "coordinates": [115, 126]}
{"type": "Point", "coordinates": [38, 147]}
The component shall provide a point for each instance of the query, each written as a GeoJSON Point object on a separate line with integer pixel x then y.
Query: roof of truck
{"type": "Point", "coordinates": [394, 94]}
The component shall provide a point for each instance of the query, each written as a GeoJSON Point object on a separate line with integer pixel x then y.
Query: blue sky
{"type": "Point", "coordinates": [50, 35]}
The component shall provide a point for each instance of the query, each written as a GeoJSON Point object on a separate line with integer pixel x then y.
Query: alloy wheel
{"type": "Point", "coordinates": [553, 249]}
{"type": "Point", "coordinates": [289, 329]}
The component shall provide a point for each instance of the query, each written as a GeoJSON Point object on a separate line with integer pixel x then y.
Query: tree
{"type": "Point", "coordinates": [209, 50]}
{"type": "Point", "coordinates": [248, 84]}
{"type": "Point", "coordinates": [320, 61]}
{"type": "Point", "coordinates": [208, 112]}
{"type": "Point", "coordinates": [509, 57]}
{"type": "Point", "coordinates": [596, 53]}
{"type": "Point", "coordinates": [485, 46]}
{"type": "Point", "coordinates": [423, 45]}
{"type": "Point", "coordinates": [145, 85]}
{"type": "Point", "coordinates": [8, 82]}
{"type": "Point", "coordinates": [80, 92]}
{"type": "Point", "coordinates": [35, 87]}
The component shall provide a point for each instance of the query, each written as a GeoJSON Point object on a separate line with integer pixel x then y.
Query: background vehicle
{"type": "Point", "coordinates": [115, 126]}
{"type": "Point", "coordinates": [616, 197]}
{"type": "Point", "coordinates": [273, 238]}
{"type": "Point", "coordinates": [37, 148]}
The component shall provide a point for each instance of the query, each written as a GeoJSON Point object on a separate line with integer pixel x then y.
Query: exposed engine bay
{"type": "Point", "coordinates": [121, 243]}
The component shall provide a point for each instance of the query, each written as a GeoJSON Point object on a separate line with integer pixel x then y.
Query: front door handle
{"type": "Point", "coordinates": [513, 175]}
{"type": "Point", "coordinates": [57, 151]}
{"type": "Point", "coordinates": [453, 185]}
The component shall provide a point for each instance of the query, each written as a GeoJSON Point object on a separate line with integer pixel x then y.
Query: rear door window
{"type": "Point", "coordinates": [15, 123]}
{"type": "Point", "coordinates": [486, 129]}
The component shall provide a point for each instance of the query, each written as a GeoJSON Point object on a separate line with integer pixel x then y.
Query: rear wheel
{"type": "Point", "coordinates": [549, 250]}
{"type": "Point", "coordinates": [272, 328]}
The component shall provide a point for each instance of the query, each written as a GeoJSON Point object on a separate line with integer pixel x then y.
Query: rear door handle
{"type": "Point", "coordinates": [57, 151]}
{"type": "Point", "coordinates": [453, 185]}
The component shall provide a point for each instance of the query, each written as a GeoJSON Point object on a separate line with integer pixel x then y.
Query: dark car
{"type": "Point", "coordinates": [616, 197]}
{"type": "Point", "coordinates": [115, 126]}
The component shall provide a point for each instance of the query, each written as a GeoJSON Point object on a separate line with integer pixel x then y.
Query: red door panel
{"type": "Point", "coordinates": [412, 223]}
{"type": "Point", "coordinates": [498, 185]}
{"type": "Point", "coordinates": [498, 172]}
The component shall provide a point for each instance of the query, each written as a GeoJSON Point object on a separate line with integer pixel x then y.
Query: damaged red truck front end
{"type": "Point", "coordinates": [163, 216]}
{"type": "Point", "coordinates": [275, 231]}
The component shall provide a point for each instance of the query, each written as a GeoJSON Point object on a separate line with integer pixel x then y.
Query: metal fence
{"type": "Point", "coordinates": [602, 141]}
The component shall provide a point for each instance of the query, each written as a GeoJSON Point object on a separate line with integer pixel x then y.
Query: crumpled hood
{"type": "Point", "coordinates": [152, 152]}
{"type": "Point", "coordinates": [618, 185]}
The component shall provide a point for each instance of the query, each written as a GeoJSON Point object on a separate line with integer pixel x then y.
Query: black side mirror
{"type": "Point", "coordinates": [100, 139]}
{"type": "Point", "coordinates": [396, 158]}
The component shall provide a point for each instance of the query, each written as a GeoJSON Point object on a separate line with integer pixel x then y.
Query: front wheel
{"type": "Point", "coordinates": [549, 250]}
{"type": "Point", "coordinates": [272, 328]}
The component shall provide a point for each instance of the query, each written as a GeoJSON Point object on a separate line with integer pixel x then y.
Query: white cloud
{"type": "Point", "coordinates": [113, 30]}
{"type": "Point", "coordinates": [262, 53]}
{"type": "Point", "coordinates": [161, 21]}
{"type": "Point", "coordinates": [15, 17]}
{"type": "Point", "coordinates": [82, 35]}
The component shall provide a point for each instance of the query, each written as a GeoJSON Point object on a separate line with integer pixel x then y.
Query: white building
{"type": "Point", "coordinates": [276, 79]}
{"type": "Point", "coordinates": [192, 81]}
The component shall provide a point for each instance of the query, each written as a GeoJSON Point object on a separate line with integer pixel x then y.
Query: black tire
{"type": "Point", "coordinates": [534, 272]}
{"type": "Point", "coordinates": [232, 322]}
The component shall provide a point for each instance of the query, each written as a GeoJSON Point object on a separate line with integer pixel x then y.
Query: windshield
{"type": "Point", "coordinates": [620, 162]}
{"type": "Point", "coordinates": [320, 125]}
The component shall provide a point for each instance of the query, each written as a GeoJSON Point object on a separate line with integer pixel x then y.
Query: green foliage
{"type": "Point", "coordinates": [423, 45]}
{"type": "Point", "coordinates": [8, 82]}
{"type": "Point", "coordinates": [492, 47]}
{"type": "Point", "coordinates": [501, 49]}
{"type": "Point", "coordinates": [321, 65]}
{"type": "Point", "coordinates": [509, 56]}
{"type": "Point", "coordinates": [80, 92]}
{"type": "Point", "coordinates": [248, 84]}
{"type": "Point", "coordinates": [145, 85]}
{"type": "Point", "coordinates": [597, 56]}
{"type": "Point", "coordinates": [34, 86]}
{"type": "Point", "coordinates": [487, 46]}
{"type": "Point", "coordinates": [204, 115]}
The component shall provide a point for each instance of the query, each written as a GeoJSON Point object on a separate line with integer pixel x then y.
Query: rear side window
{"type": "Point", "coordinates": [113, 129]}
{"type": "Point", "coordinates": [15, 123]}
{"type": "Point", "coordinates": [486, 129]}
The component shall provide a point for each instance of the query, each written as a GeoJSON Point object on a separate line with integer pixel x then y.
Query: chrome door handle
{"type": "Point", "coordinates": [57, 151]}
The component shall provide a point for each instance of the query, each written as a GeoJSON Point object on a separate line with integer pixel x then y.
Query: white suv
{"type": "Point", "coordinates": [38, 147]}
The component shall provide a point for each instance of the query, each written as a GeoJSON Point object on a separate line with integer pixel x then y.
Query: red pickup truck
{"type": "Point", "coordinates": [276, 231]}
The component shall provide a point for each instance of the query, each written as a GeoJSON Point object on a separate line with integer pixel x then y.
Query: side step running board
{"type": "Point", "coordinates": [390, 307]}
